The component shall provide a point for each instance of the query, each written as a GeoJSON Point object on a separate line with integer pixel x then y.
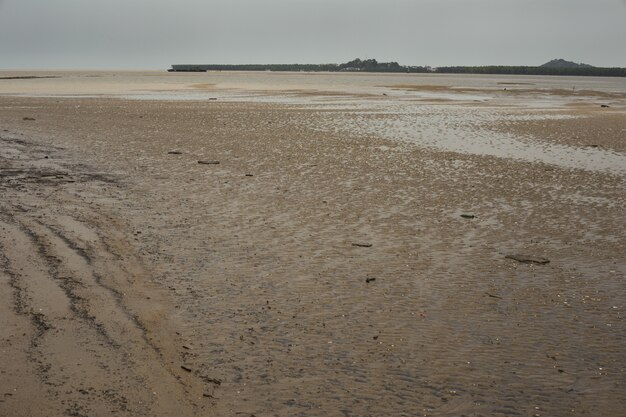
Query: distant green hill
{"type": "Point", "coordinates": [561, 63]}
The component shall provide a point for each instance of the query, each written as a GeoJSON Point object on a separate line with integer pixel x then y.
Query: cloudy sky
{"type": "Point", "coordinates": [146, 34]}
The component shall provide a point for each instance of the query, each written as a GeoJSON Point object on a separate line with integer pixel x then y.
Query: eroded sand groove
{"type": "Point", "coordinates": [87, 350]}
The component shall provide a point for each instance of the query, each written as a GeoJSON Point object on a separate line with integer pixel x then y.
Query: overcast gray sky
{"type": "Point", "coordinates": [146, 34]}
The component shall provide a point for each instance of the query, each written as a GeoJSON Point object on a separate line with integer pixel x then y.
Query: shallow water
{"type": "Point", "coordinates": [458, 129]}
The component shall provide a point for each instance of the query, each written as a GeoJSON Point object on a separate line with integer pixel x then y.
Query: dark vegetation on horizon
{"type": "Point", "coordinates": [367, 65]}
{"type": "Point", "coordinates": [555, 67]}
{"type": "Point", "coordinates": [498, 69]}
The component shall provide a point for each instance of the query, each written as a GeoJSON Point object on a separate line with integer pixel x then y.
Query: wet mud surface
{"type": "Point", "coordinates": [315, 272]}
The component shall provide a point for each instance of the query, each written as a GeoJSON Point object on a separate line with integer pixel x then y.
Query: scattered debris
{"type": "Point", "coordinates": [494, 296]}
{"type": "Point", "coordinates": [468, 216]}
{"type": "Point", "coordinates": [368, 280]}
{"type": "Point", "coordinates": [526, 259]}
{"type": "Point", "coordinates": [209, 162]}
{"type": "Point", "coordinates": [212, 380]}
{"type": "Point", "coordinates": [362, 245]}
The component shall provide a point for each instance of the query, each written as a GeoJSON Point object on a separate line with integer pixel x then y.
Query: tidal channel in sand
{"type": "Point", "coordinates": [347, 256]}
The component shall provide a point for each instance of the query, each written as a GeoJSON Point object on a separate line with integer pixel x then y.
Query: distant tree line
{"type": "Point", "coordinates": [356, 65]}
{"type": "Point", "coordinates": [498, 69]}
{"type": "Point", "coordinates": [372, 65]}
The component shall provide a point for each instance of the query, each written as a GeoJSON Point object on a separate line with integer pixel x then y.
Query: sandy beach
{"type": "Point", "coordinates": [357, 247]}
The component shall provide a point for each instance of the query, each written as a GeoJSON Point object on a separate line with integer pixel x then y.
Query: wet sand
{"type": "Point", "coordinates": [505, 89]}
{"type": "Point", "coordinates": [312, 272]}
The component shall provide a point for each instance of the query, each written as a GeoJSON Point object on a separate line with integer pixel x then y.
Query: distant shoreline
{"type": "Point", "coordinates": [28, 77]}
{"type": "Point", "coordinates": [395, 68]}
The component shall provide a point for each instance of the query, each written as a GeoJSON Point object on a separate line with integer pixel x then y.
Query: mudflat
{"type": "Point", "coordinates": [333, 258]}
